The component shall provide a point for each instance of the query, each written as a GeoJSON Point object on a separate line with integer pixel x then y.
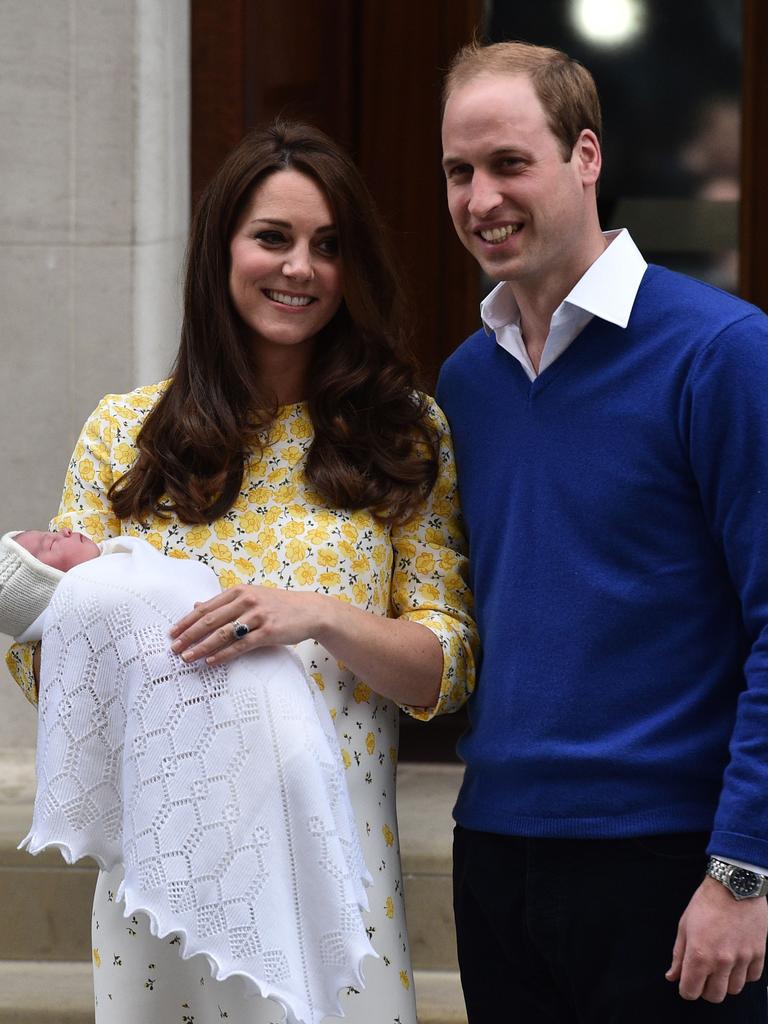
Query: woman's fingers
{"type": "Point", "coordinates": [219, 640]}
{"type": "Point", "coordinates": [208, 626]}
{"type": "Point", "coordinates": [231, 651]}
{"type": "Point", "coordinates": [200, 609]}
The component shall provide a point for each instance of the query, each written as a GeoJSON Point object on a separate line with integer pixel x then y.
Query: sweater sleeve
{"type": "Point", "coordinates": [429, 579]}
{"type": "Point", "coordinates": [728, 437]}
{"type": "Point", "coordinates": [84, 507]}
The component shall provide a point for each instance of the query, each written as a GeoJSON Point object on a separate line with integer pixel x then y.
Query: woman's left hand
{"type": "Point", "coordinates": [397, 658]}
{"type": "Point", "coordinates": [272, 615]}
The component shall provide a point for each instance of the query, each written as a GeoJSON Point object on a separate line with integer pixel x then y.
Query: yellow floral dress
{"type": "Point", "coordinates": [281, 534]}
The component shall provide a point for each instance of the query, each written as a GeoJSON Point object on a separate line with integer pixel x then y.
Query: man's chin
{"type": "Point", "coordinates": [496, 276]}
{"type": "Point", "coordinates": [500, 270]}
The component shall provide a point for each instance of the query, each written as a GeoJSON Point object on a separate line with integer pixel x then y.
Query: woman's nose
{"type": "Point", "coordinates": [298, 266]}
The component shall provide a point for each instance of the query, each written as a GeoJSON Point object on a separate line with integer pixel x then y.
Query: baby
{"type": "Point", "coordinates": [32, 563]}
{"type": "Point", "coordinates": [61, 550]}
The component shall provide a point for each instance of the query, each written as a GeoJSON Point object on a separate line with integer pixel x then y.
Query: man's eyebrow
{"type": "Point", "coordinates": [448, 160]}
{"type": "Point", "coordinates": [508, 151]}
{"type": "Point", "coordinates": [452, 161]}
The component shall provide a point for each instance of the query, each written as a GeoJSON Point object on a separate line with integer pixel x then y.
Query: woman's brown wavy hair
{"type": "Point", "coordinates": [374, 446]}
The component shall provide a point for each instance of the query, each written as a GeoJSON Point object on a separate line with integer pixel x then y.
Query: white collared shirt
{"type": "Point", "coordinates": [606, 290]}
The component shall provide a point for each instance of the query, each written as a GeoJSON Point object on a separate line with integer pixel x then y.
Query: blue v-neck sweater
{"type": "Point", "coordinates": [617, 513]}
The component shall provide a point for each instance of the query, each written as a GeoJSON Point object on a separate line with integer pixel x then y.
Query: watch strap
{"type": "Point", "coordinates": [722, 871]}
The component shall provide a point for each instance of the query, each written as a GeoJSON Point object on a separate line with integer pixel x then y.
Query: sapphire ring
{"type": "Point", "coordinates": [239, 630]}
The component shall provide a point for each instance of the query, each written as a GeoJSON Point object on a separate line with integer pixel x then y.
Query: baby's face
{"type": "Point", "coordinates": [61, 550]}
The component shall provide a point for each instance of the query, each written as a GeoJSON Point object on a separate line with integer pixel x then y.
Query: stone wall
{"type": "Point", "coordinates": [94, 164]}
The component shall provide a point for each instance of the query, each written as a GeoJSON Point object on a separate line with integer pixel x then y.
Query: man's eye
{"type": "Point", "coordinates": [458, 171]}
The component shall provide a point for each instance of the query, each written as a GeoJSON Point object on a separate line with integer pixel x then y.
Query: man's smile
{"type": "Point", "coordinates": [501, 234]}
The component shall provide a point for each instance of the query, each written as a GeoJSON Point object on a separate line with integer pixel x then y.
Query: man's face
{"type": "Point", "coordinates": [517, 205]}
{"type": "Point", "coordinates": [61, 550]}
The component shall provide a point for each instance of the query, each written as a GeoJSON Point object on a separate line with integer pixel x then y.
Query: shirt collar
{"type": "Point", "coordinates": [607, 289]}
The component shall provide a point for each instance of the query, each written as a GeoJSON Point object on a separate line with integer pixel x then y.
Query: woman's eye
{"type": "Point", "coordinates": [270, 237]}
{"type": "Point", "coordinates": [329, 246]}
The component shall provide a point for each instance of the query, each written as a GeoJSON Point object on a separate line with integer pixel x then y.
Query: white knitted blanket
{"type": "Point", "coordinates": [220, 790]}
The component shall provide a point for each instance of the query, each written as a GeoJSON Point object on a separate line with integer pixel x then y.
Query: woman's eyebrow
{"type": "Point", "coordinates": [271, 220]}
{"type": "Point", "coordinates": [276, 222]}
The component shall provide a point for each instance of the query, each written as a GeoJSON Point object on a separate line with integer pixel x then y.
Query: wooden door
{"type": "Point", "coordinates": [369, 73]}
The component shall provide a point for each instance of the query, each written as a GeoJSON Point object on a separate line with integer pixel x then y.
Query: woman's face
{"type": "Point", "coordinates": [285, 277]}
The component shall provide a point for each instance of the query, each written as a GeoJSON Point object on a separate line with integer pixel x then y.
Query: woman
{"type": "Point", "coordinates": [290, 452]}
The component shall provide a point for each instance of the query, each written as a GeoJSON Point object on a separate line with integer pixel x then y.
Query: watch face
{"type": "Point", "coordinates": [743, 882]}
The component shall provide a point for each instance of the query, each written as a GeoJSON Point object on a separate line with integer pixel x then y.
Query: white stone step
{"type": "Point", "coordinates": [46, 903]}
{"type": "Point", "coordinates": [425, 797]}
{"type": "Point", "coordinates": [439, 999]}
{"type": "Point", "coordinates": [45, 993]}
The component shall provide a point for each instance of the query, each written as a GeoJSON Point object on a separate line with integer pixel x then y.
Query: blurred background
{"type": "Point", "coordinates": [669, 75]}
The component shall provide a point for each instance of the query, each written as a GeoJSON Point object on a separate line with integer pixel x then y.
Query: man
{"type": "Point", "coordinates": [611, 432]}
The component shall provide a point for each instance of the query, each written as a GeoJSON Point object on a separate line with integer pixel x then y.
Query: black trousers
{"type": "Point", "coordinates": [559, 931]}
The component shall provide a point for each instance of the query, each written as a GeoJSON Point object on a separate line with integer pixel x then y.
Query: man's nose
{"type": "Point", "coordinates": [485, 195]}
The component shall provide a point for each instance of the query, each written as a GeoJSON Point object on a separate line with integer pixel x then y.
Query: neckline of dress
{"type": "Point", "coordinates": [283, 410]}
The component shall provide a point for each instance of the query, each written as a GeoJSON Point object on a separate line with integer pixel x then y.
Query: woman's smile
{"type": "Point", "coordinates": [288, 299]}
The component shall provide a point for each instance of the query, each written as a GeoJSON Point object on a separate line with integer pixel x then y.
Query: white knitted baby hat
{"type": "Point", "coordinates": [26, 586]}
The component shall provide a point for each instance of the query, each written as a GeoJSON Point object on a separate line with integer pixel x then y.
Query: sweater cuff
{"type": "Point", "coordinates": [733, 846]}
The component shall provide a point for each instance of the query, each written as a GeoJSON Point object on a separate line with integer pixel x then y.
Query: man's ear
{"type": "Point", "coordinates": [588, 156]}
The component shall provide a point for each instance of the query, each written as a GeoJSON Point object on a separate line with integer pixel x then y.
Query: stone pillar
{"type": "Point", "coordinates": [94, 161]}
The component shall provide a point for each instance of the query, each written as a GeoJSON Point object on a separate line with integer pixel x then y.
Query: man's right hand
{"type": "Point", "coordinates": [720, 944]}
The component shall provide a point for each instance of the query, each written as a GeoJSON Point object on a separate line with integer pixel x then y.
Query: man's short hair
{"type": "Point", "coordinates": [565, 88]}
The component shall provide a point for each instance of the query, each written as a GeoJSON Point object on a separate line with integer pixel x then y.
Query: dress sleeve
{"type": "Point", "coordinates": [84, 507]}
{"type": "Point", "coordinates": [429, 579]}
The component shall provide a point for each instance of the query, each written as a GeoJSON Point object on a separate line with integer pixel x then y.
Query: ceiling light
{"type": "Point", "coordinates": [609, 22]}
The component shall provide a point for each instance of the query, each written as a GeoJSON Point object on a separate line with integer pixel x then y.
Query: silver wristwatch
{"type": "Point", "coordinates": [742, 883]}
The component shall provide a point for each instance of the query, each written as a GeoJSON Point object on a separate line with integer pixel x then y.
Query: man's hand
{"type": "Point", "coordinates": [720, 943]}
